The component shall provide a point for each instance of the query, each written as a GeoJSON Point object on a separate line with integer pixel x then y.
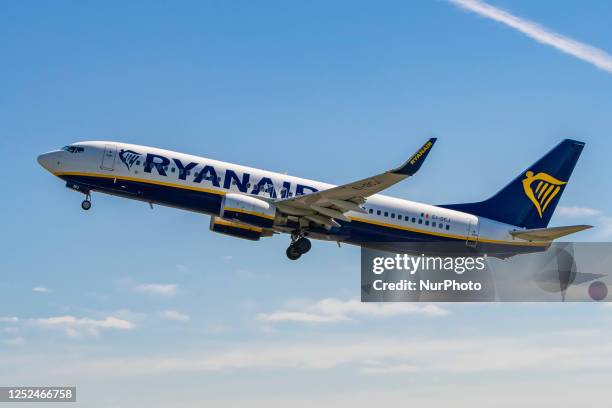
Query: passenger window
{"type": "Point", "coordinates": [413, 219]}
{"type": "Point", "coordinates": [433, 224]}
{"type": "Point", "coordinates": [420, 221]}
{"type": "Point", "coordinates": [427, 222]}
{"type": "Point", "coordinates": [138, 162]}
{"type": "Point", "coordinates": [386, 213]}
{"type": "Point", "coordinates": [441, 226]}
{"type": "Point", "coordinates": [378, 212]}
{"type": "Point", "coordinates": [447, 226]}
{"type": "Point", "coordinates": [371, 211]}
{"type": "Point", "coordinates": [392, 215]}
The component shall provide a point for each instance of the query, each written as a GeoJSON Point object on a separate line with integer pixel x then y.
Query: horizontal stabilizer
{"type": "Point", "coordinates": [548, 234]}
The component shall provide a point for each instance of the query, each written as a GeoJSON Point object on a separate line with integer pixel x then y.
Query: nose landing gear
{"type": "Point", "coordinates": [299, 245]}
{"type": "Point", "coordinates": [86, 204]}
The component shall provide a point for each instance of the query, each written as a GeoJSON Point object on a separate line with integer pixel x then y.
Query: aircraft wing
{"type": "Point", "coordinates": [322, 207]}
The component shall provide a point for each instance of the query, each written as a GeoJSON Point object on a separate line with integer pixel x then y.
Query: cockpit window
{"type": "Point", "coordinates": [73, 149]}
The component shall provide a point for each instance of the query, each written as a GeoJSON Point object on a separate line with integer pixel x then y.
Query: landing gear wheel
{"type": "Point", "coordinates": [86, 204]}
{"type": "Point", "coordinates": [302, 245]}
{"type": "Point", "coordinates": [293, 253]}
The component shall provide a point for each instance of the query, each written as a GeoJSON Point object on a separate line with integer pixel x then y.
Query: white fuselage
{"type": "Point", "coordinates": [117, 163]}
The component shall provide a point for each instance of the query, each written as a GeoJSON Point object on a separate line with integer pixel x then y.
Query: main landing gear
{"type": "Point", "coordinates": [86, 204]}
{"type": "Point", "coordinates": [299, 245]}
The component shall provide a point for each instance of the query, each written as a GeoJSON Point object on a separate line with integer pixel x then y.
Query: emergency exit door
{"type": "Point", "coordinates": [472, 233]}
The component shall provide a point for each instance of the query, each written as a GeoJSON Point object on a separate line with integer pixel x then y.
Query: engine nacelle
{"type": "Point", "coordinates": [248, 210]}
{"type": "Point", "coordinates": [237, 230]}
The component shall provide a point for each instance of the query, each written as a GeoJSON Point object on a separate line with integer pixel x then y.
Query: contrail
{"type": "Point", "coordinates": [541, 34]}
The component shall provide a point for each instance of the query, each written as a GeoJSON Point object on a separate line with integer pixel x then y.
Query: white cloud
{"type": "Point", "coordinates": [40, 289]}
{"type": "Point", "coordinates": [575, 211]}
{"type": "Point", "coordinates": [160, 289]}
{"type": "Point", "coordinates": [582, 51]}
{"type": "Point", "coordinates": [174, 315]}
{"type": "Point", "coordinates": [378, 356]}
{"type": "Point", "coordinates": [17, 341]}
{"type": "Point", "coordinates": [8, 319]}
{"type": "Point", "coordinates": [604, 228]}
{"type": "Point", "coordinates": [354, 306]}
{"type": "Point", "coordinates": [299, 317]}
{"type": "Point", "coordinates": [74, 327]}
{"type": "Point", "coordinates": [335, 310]}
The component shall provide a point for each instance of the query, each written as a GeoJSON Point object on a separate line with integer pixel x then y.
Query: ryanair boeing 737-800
{"type": "Point", "coordinates": [249, 203]}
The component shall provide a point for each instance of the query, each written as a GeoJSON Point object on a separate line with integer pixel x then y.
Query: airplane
{"type": "Point", "coordinates": [249, 203]}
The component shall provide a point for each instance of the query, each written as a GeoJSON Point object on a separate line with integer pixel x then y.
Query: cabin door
{"type": "Point", "coordinates": [109, 157]}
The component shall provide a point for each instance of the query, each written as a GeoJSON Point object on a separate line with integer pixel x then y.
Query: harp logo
{"type": "Point", "coordinates": [541, 188]}
{"type": "Point", "coordinates": [128, 157]}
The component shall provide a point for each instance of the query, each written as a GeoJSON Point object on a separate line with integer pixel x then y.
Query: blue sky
{"type": "Point", "coordinates": [153, 306]}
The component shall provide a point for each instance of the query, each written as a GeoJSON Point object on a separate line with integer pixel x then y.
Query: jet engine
{"type": "Point", "coordinates": [237, 230]}
{"type": "Point", "coordinates": [248, 210]}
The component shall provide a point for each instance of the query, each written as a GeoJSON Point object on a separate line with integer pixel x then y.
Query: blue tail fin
{"type": "Point", "coordinates": [530, 199]}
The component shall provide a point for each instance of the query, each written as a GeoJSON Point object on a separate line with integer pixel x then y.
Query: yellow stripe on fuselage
{"type": "Point", "coordinates": [147, 181]}
{"type": "Point", "coordinates": [445, 235]}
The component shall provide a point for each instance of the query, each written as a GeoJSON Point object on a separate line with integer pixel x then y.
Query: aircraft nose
{"type": "Point", "coordinates": [46, 160]}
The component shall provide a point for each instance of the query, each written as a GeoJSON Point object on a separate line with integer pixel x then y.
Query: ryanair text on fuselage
{"type": "Point", "coordinates": [243, 181]}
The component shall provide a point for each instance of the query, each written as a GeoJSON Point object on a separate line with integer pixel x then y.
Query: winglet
{"type": "Point", "coordinates": [413, 164]}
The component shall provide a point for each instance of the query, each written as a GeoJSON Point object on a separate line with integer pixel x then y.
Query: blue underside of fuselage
{"type": "Point", "coordinates": [354, 232]}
